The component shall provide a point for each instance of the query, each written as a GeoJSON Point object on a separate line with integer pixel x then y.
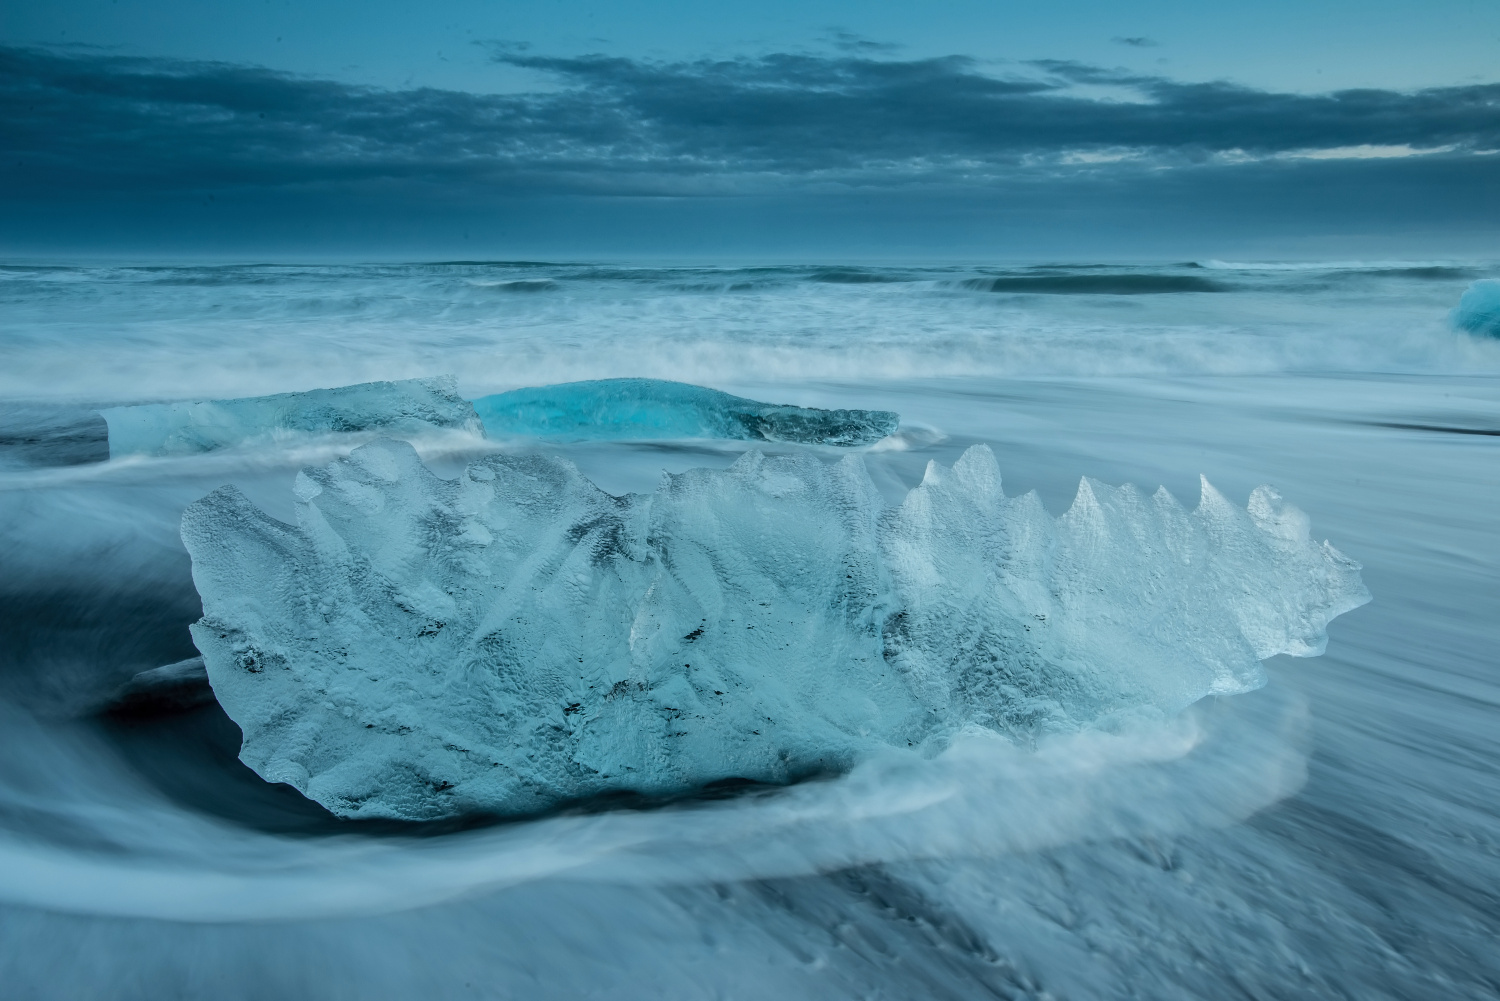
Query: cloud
{"type": "Point", "coordinates": [1136, 41]}
{"type": "Point", "coordinates": [781, 122]}
{"type": "Point", "coordinates": [848, 41]}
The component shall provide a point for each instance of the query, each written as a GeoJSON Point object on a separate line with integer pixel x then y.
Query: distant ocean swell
{"type": "Point", "coordinates": [222, 332]}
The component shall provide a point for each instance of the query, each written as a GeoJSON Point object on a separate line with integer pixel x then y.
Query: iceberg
{"type": "Point", "coordinates": [1478, 309]}
{"type": "Point", "coordinates": [516, 638]}
{"type": "Point", "coordinates": [406, 407]}
{"type": "Point", "coordinates": [629, 409]}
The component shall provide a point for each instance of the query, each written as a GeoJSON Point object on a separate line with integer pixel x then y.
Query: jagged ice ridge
{"type": "Point", "coordinates": [515, 638]}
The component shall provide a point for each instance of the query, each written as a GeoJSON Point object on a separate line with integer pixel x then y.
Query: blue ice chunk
{"type": "Point", "coordinates": [418, 647]}
{"type": "Point", "coordinates": [635, 409]}
{"type": "Point", "coordinates": [410, 406]}
{"type": "Point", "coordinates": [1478, 309]}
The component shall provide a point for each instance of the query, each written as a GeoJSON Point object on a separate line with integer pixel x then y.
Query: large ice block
{"type": "Point", "coordinates": [623, 409]}
{"type": "Point", "coordinates": [416, 647]}
{"type": "Point", "coordinates": [406, 407]}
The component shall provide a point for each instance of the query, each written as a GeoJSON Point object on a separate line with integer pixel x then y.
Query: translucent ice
{"type": "Point", "coordinates": [1478, 309]}
{"type": "Point", "coordinates": [409, 406]}
{"type": "Point", "coordinates": [619, 409]}
{"type": "Point", "coordinates": [418, 647]}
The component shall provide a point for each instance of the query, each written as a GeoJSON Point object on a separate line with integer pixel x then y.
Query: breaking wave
{"type": "Point", "coordinates": [229, 332]}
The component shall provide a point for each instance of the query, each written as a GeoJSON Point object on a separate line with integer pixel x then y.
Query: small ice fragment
{"type": "Point", "coordinates": [1478, 309]}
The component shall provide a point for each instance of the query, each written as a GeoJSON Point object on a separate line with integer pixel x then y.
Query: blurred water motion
{"type": "Point", "coordinates": [1334, 834]}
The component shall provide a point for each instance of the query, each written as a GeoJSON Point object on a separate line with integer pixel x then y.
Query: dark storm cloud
{"type": "Point", "coordinates": [811, 113]}
{"type": "Point", "coordinates": [618, 125]}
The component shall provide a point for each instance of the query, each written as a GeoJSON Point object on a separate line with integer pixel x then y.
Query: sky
{"type": "Point", "coordinates": [815, 129]}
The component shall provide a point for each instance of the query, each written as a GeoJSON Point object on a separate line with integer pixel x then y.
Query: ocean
{"type": "Point", "coordinates": [1335, 833]}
